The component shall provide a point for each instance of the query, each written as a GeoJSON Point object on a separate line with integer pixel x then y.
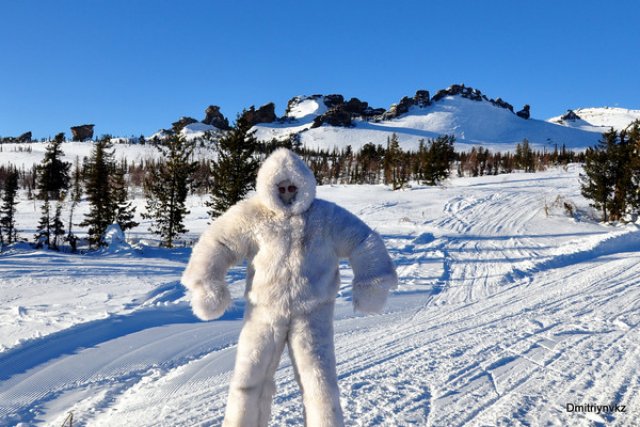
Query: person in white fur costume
{"type": "Point", "coordinates": [292, 243]}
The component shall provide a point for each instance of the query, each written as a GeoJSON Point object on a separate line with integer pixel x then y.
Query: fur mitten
{"type": "Point", "coordinates": [210, 302]}
{"type": "Point", "coordinates": [369, 296]}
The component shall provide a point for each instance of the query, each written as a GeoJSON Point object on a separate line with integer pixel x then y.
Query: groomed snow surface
{"type": "Point", "coordinates": [507, 312]}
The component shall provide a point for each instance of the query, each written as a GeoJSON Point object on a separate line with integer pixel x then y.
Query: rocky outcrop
{"type": "Point", "coordinates": [333, 101]}
{"type": "Point", "coordinates": [215, 118]}
{"type": "Point", "coordinates": [182, 122]}
{"type": "Point", "coordinates": [571, 116]}
{"type": "Point", "coordinates": [502, 104]}
{"type": "Point", "coordinates": [525, 113]}
{"type": "Point", "coordinates": [264, 114]}
{"type": "Point", "coordinates": [342, 113]}
{"type": "Point", "coordinates": [355, 106]}
{"type": "Point", "coordinates": [472, 94]}
{"type": "Point", "coordinates": [461, 90]}
{"type": "Point", "coordinates": [25, 137]}
{"type": "Point", "coordinates": [421, 99]}
{"type": "Point", "coordinates": [82, 132]}
{"type": "Point", "coordinates": [334, 117]}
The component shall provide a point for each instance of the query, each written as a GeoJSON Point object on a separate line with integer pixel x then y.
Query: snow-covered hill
{"type": "Point", "coordinates": [597, 119]}
{"type": "Point", "coordinates": [508, 311]}
{"type": "Point", "coordinates": [473, 118]}
{"type": "Point", "coordinates": [474, 123]}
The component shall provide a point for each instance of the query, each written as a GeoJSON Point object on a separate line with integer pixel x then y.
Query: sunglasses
{"type": "Point", "coordinates": [291, 189]}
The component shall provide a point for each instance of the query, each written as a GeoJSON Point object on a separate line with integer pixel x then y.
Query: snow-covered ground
{"type": "Point", "coordinates": [508, 311]}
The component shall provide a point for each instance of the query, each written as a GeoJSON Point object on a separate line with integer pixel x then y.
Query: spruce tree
{"type": "Point", "coordinates": [52, 182]}
{"type": "Point", "coordinates": [619, 155]}
{"type": "Point", "coordinates": [234, 171]}
{"type": "Point", "coordinates": [393, 163]}
{"type": "Point", "coordinates": [166, 188]}
{"type": "Point", "coordinates": [57, 226]}
{"type": "Point", "coordinates": [43, 230]}
{"type": "Point", "coordinates": [8, 209]}
{"type": "Point", "coordinates": [97, 187]}
{"type": "Point", "coordinates": [633, 195]}
{"type": "Point", "coordinates": [524, 157]}
{"type": "Point", "coordinates": [437, 159]}
{"type": "Point", "coordinates": [123, 209]}
{"type": "Point", "coordinates": [598, 179]}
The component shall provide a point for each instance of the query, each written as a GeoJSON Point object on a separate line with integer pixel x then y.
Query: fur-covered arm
{"type": "Point", "coordinates": [373, 271]}
{"type": "Point", "coordinates": [222, 245]}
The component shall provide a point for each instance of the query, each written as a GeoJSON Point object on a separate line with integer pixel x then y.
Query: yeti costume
{"type": "Point", "coordinates": [292, 252]}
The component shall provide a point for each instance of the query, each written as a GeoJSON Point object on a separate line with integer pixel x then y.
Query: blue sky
{"type": "Point", "coordinates": [135, 66]}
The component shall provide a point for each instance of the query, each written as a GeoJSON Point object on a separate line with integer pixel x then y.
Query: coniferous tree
{"type": "Point", "coordinates": [598, 180]}
{"type": "Point", "coordinates": [619, 155]}
{"type": "Point", "coordinates": [166, 188]}
{"type": "Point", "coordinates": [437, 159]}
{"type": "Point", "coordinates": [97, 187]}
{"type": "Point", "coordinates": [57, 226]}
{"type": "Point", "coordinates": [524, 157]}
{"type": "Point", "coordinates": [393, 163]}
{"type": "Point", "coordinates": [75, 197]}
{"type": "Point", "coordinates": [52, 182]}
{"type": "Point", "coordinates": [8, 209]}
{"type": "Point", "coordinates": [633, 195]}
{"type": "Point", "coordinates": [234, 171]}
{"type": "Point", "coordinates": [370, 157]}
{"type": "Point", "coordinates": [123, 209]}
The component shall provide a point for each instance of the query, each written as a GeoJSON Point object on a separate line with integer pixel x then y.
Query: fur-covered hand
{"type": "Point", "coordinates": [369, 296]}
{"type": "Point", "coordinates": [209, 303]}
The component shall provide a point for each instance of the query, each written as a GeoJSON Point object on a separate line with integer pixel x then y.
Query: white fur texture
{"type": "Point", "coordinates": [293, 253]}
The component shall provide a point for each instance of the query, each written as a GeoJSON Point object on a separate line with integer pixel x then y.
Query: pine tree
{"type": "Point", "coordinates": [52, 181]}
{"type": "Point", "coordinates": [8, 209]}
{"type": "Point", "coordinates": [57, 226]}
{"type": "Point", "coordinates": [619, 155]}
{"type": "Point", "coordinates": [234, 171]}
{"type": "Point", "coordinates": [633, 195]}
{"type": "Point", "coordinates": [437, 159]}
{"type": "Point", "coordinates": [598, 180]}
{"type": "Point", "coordinates": [97, 187]}
{"type": "Point", "coordinates": [166, 188]}
{"type": "Point", "coordinates": [393, 164]}
{"type": "Point", "coordinates": [43, 230]}
{"type": "Point", "coordinates": [524, 157]}
{"type": "Point", "coordinates": [123, 209]}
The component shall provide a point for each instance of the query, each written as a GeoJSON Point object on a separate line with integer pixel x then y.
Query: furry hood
{"type": "Point", "coordinates": [283, 165]}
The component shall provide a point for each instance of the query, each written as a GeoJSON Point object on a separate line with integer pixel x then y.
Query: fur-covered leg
{"type": "Point", "coordinates": [252, 387]}
{"type": "Point", "coordinates": [312, 352]}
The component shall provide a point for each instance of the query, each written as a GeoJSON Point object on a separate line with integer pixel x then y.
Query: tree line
{"type": "Point", "coordinates": [105, 184]}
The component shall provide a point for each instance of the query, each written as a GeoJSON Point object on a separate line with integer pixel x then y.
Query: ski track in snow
{"type": "Point", "coordinates": [503, 317]}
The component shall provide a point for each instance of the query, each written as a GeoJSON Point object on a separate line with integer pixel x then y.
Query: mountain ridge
{"type": "Point", "coordinates": [327, 121]}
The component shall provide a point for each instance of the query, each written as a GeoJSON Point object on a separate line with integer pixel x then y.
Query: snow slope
{"type": "Point", "coordinates": [474, 123]}
{"type": "Point", "coordinates": [506, 313]}
{"type": "Point", "coordinates": [600, 119]}
{"type": "Point", "coordinates": [25, 155]}
{"type": "Point", "coordinates": [298, 117]}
